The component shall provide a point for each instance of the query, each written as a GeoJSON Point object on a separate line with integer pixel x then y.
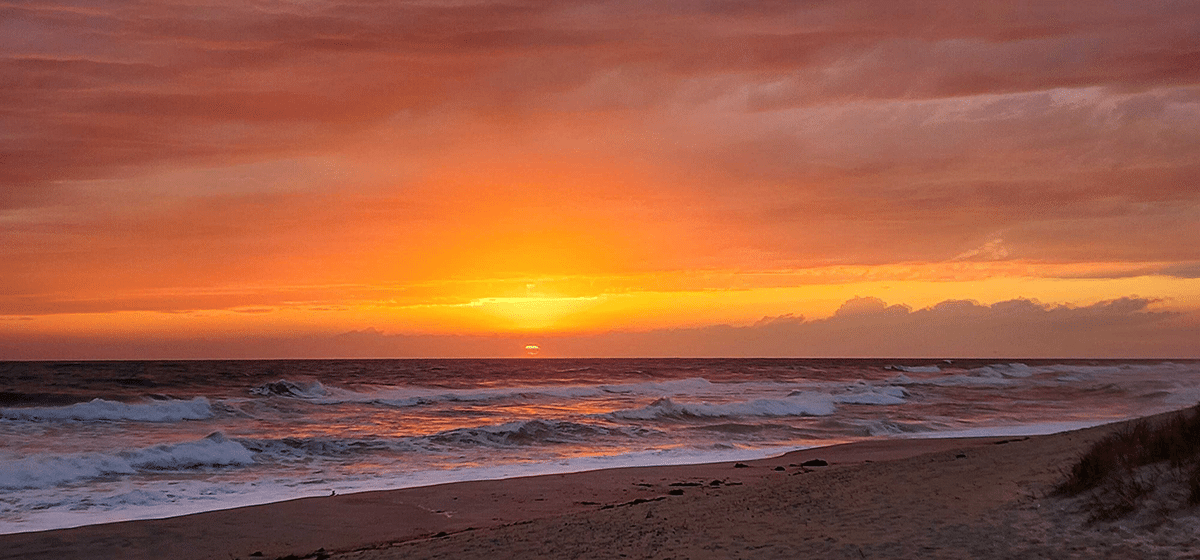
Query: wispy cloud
{"type": "Point", "coordinates": [171, 147]}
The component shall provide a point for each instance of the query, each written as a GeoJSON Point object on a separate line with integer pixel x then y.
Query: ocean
{"type": "Point", "coordinates": [96, 442]}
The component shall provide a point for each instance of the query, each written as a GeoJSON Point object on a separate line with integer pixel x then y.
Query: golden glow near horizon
{"type": "Point", "coordinates": [681, 305]}
{"type": "Point", "coordinates": [428, 179]}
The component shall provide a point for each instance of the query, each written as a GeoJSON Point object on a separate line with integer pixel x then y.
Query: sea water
{"type": "Point", "coordinates": [95, 442]}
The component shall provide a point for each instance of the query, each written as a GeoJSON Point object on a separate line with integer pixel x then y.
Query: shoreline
{"type": "Point", "coordinates": [585, 464]}
{"type": "Point", "coordinates": [384, 519]}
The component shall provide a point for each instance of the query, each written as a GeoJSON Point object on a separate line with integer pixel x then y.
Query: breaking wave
{"type": "Point", "coordinates": [170, 410]}
{"type": "Point", "coordinates": [53, 470]}
{"type": "Point", "coordinates": [292, 389]}
{"type": "Point", "coordinates": [404, 397]}
{"type": "Point", "coordinates": [531, 432]}
{"type": "Point", "coordinates": [521, 433]}
{"type": "Point", "coordinates": [862, 392]}
{"type": "Point", "coordinates": [800, 405]}
{"type": "Point", "coordinates": [916, 369]}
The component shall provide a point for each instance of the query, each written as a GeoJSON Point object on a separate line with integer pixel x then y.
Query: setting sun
{"type": "Point", "coordinates": [484, 279]}
{"type": "Point", "coordinates": [632, 182]}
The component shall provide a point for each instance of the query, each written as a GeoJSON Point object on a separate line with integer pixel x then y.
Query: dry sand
{"type": "Point", "coordinates": [935, 498]}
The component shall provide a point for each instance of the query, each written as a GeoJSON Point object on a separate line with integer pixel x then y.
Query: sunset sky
{"type": "Point", "coordinates": [211, 179]}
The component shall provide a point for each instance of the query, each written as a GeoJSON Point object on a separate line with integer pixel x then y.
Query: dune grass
{"type": "Point", "coordinates": [1114, 466]}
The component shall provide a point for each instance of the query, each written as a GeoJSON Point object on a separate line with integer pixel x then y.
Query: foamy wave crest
{"type": "Point", "coordinates": [527, 432]}
{"type": "Point", "coordinates": [293, 389]}
{"type": "Point", "coordinates": [405, 397]}
{"type": "Point", "coordinates": [687, 386]}
{"type": "Point", "coordinates": [803, 404]}
{"type": "Point", "coordinates": [916, 369]}
{"type": "Point", "coordinates": [49, 471]}
{"type": "Point", "coordinates": [866, 393]}
{"type": "Point", "coordinates": [306, 448]}
{"type": "Point", "coordinates": [1005, 370]}
{"type": "Point", "coordinates": [1015, 373]}
{"type": "Point", "coordinates": [994, 375]}
{"type": "Point", "coordinates": [103, 410]}
{"type": "Point", "coordinates": [510, 434]}
{"type": "Point", "coordinates": [1020, 370]}
{"type": "Point", "coordinates": [892, 428]}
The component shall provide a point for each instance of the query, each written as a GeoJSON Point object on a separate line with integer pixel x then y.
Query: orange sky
{"type": "Point", "coordinates": [354, 178]}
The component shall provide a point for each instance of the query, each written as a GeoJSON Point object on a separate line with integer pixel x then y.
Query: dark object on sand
{"type": "Point", "coordinates": [676, 492]}
{"type": "Point", "coordinates": [815, 463]}
{"type": "Point", "coordinates": [780, 469]}
{"type": "Point", "coordinates": [741, 466]}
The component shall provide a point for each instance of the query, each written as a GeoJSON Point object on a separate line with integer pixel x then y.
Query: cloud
{"type": "Point", "coordinates": [147, 146]}
{"type": "Point", "coordinates": [993, 250]}
{"type": "Point", "coordinates": [863, 327]}
{"type": "Point", "coordinates": [867, 327]}
{"type": "Point", "coordinates": [1183, 270]}
{"type": "Point", "coordinates": [860, 306]}
{"type": "Point", "coordinates": [88, 91]}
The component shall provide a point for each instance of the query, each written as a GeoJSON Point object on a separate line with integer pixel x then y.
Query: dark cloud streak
{"type": "Point", "coordinates": [155, 62]}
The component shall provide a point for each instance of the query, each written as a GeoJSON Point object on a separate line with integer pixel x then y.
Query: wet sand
{"type": "Point", "coordinates": [925, 498]}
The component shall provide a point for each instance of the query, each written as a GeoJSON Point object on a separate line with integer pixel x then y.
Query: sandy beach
{"type": "Point", "coordinates": [924, 498]}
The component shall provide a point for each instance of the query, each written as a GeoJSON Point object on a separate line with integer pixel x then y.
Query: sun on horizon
{"type": "Point", "coordinates": [235, 190]}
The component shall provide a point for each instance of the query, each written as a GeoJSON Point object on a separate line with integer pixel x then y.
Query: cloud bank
{"type": "Point", "coordinates": [862, 327]}
{"type": "Point", "coordinates": [1068, 127]}
{"type": "Point", "coordinates": [167, 156]}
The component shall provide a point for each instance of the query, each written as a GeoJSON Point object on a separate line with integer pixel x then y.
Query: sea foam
{"type": "Point", "coordinates": [807, 404]}
{"type": "Point", "coordinates": [518, 433]}
{"type": "Point", "coordinates": [104, 410]}
{"type": "Point", "coordinates": [406, 397]}
{"type": "Point", "coordinates": [53, 470]}
{"type": "Point", "coordinates": [865, 393]}
{"type": "Point", "coordinates": [529, 433]}
{"type": "Point", "coordinates": [294, 389]}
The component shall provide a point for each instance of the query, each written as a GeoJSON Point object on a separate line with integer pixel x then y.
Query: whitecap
{"type": "Point", "coordinates": [104, 410]}
{"type": "Point", "coordinates": [45, 471]}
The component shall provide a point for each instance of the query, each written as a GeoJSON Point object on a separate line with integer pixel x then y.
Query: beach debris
{"type": "Point", "coordinates": [780, 469]}
{"type": "Point", "coordinates": [1004, 441]}
{"type": "Point", "coordinates": [815, 463]}
{"type": "Point", "coordinates": [634, 502]}
{"type": "Point", "coordinates": [741, 466]}
{"type": "Point", "coordinates": [320, 554]}
{"type": "Point", "coordinates": [961, 456]}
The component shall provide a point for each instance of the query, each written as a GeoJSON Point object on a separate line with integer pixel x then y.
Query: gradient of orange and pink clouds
{"type": "Point", "coordinates": [212, 179]}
